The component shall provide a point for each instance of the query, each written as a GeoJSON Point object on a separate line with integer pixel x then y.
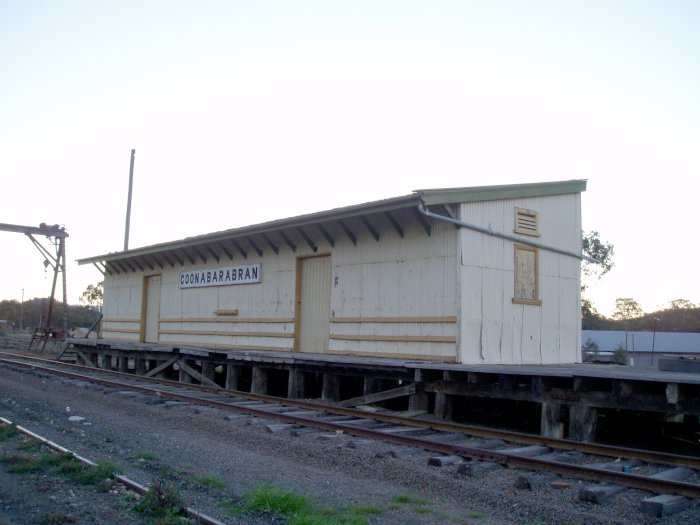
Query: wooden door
{"type": "Point", "coordinates": [151, 309]}
{"type": "Point", "coordinates": [313, 303]}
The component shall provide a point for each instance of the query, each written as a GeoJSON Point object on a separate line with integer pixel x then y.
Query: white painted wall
{"type": "Point", "coordinates": [495, 330]}
{"type": "Point", "coordinates": [410, 277]}
{"type": "Point", "coordinates": [414, 277]}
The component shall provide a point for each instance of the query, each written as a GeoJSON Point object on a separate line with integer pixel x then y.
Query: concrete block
{"type": "Point", "coordinates": [600, 493]}
{"type": "Point", "coordinates": [361, 443]}
{"type": "Point", "coordinates": [444, 461]}
{"type": "Point", "coordinates": [280, 427]}
{"type": "Point", "coordinates": [488, 444]}
{"type": "Point", "coordinates": [301, 431]}
{"type": "Point", "coordinates": [404, 431]}
{"type": "Point", "coordinates": [563, 457]}
{"type": "Point", "coordinates": [476, 469]}
{"type": "Point", "coordinates": [674, 474]}
{"type": "Point", "coordinates": [237, 417]}
{"type": "Point", "coordinates": [533, 480]}
{"type": "Point", "coordinates": [450, 437]}
{"type": "Point", "coordinates": [332, 437]}
{"type": "Point", "coordinates": [174, 403]}
{"type": "Point", "coordinates": [664, 505]}
{"type": "Point", "coordinates": [400, 452]}
{"type": "Point", "coordinates": [527, 452]}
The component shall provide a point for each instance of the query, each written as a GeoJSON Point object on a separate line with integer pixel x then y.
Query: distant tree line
{"type": "Point", "coordinates": [680, 315]}
{"type": "Point", "coordinates": [33, 312]}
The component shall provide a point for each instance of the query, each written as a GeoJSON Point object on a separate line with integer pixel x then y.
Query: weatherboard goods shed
{"type": "Point", "coordinates": [463, 275]}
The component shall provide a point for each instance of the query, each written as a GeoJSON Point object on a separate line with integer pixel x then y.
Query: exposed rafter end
{"type": "Point", "coordinates": [348, 232]}
{"type": "Point", "coordinates": [225, 250]}
{"type": "Point", "coordinates": [200, 254]}
{"type": "Point", "coordinates": [240, 249]}
{"type": "Point", "coordinates": [212, 253]}
{"type": "Point", "coordinates": [271, 244]}
{"type": "Point", "coordinates": [330, 240]}
{"type": "Point", "coordinates": [100, 267]}
{"type": "Point", "coordinates": [394, 223]}
{"type": "Point", "coordinates": [255, 246]}
{"type": "Point", "coordinates": [308, 240]}
{"type": "Point", "coordinates": [289, 242]}
{"type": "Point", "coordinates": [370, 228]}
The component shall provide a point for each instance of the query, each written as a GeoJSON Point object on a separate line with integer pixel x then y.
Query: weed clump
{"type": "Point", "coordinates": [162, 502]}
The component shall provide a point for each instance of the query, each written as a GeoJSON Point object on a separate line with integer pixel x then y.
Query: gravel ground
{"type": "Point", "coordinates": [149, 439]}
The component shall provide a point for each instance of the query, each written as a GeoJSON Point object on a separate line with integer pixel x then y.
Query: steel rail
{"type": "Point", "coordinates": [652, 484]}
{"type": "Point", "coordinates": [612, 451]}
{"type": "Point", "coordinates": [133, 485]}
{"type": "Point", "coordinates": [656, 485]}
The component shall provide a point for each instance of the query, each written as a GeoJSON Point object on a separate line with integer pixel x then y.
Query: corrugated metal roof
{"type": "Point", "coordinates": [435, 197]}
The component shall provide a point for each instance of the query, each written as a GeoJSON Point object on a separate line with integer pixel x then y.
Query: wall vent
{"type": "Point", "coordinates": [526, 222]}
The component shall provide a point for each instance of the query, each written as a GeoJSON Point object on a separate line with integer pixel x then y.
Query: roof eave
{"type": "Point", "coordinates": [266, 227]}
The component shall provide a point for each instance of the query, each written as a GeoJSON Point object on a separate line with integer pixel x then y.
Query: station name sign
{"type": "Point", "coordinates": [246, 274]}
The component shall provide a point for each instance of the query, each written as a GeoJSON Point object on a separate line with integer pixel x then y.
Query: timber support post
{"type": "Point", "coordinates": [140, 366]}
{"type": "Point", "coordinates": [233, 377]}
{"type": "Point", "coordinates": [208, 370]}
{"type": "Point", "coordinates": [123, 363]}
{"type": "Point", "coordinates": [582, 423]}
{"type": "Point", "coordinates": [551, 424]}
{"type": "Point", "coordinates": [259, 381]}
{"type": "Point", "coordinates": [419, 400]}
{"type": "Point", "coordinates": [443, 403]}
{"type": "Point", "coordinates": [331, 388]}
{"type": "Point", "coordinates": [184, 376]}
{"type": "Point", "coordinates": [295, 384]}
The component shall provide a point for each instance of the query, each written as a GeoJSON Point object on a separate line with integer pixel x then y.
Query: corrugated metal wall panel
{"type": "Point", "coordinates": [520, 333]}
{"type": "Point", "coordinates": [411, 277]}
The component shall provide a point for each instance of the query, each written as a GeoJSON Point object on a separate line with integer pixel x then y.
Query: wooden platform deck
{"type": "Point", "coordinates": [569, 396]}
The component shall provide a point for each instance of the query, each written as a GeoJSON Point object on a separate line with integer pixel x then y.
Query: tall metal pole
{"type": "Point", "coordinates": [653, 341]}
{"type": "Point", "coordinates": [128, 202]}
{"type": "Point", "coordinates": [21, 313]}
{"type": "Point", "coordinates": [62, 264]}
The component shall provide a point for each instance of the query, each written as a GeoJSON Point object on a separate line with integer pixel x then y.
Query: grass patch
{"type": "Point", "coordinates": [365, 509]}
{"type": "Point", "coordinates": [89, 475]}
{"type": "Point", "coordinates": [57, 519]}
{"type": "Point", "coordinates": [212, 480]}
{"type": "Point", "coordinates": [30, 445]}
{"type": "Point", "coordinates": [269, 498]}
{"type": "Point", "coordinates": [299, 509]}
{"type": "Point", "coordinates": [20, 464]}
{"type": "Point", "coordinates": [7, 432]}
{"type": "Point", "coordinates": [408, 499]}
{"type": "Point", "coordinates": [421, 509]}
{"type": "Point", "coordinates": [63, 464]}
{"type": "Point", "coordinates": [476, 515]}
{"type": "Point", "coordinates": [186, 474]}
{"type": "Point", "coordinates": [146, 455]}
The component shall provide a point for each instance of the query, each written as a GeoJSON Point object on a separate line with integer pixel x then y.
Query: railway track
{"type": "Point", "coordinates": [190, 512]}
{"type": "Point", "coordinates": [673, 477]}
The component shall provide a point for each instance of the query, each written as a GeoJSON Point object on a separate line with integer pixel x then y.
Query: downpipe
{"type": "Point", "coordinates": [487, 231]}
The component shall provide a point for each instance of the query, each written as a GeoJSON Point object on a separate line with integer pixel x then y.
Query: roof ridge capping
{"type": "Point", "coordinates": [499, 192]}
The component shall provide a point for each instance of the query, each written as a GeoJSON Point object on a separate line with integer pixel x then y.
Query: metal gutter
{"type": "Point", "coordinates": [423, 210]}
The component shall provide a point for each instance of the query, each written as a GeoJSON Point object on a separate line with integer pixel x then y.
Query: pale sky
{"type": "Point", "coordinates": [242, 112]}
